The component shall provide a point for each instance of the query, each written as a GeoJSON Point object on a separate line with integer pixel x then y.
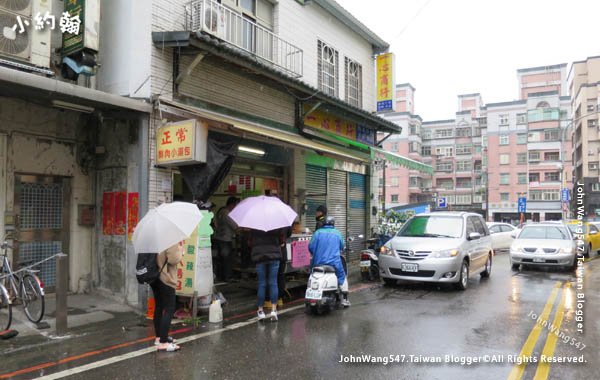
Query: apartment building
{"type": "Point", "coordinates": [529, 147]}
{"type": "Point", "coordinates": [584, 87]}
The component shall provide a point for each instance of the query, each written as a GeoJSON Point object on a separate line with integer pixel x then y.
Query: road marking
{"type": "Point", "coordinates": [517, 372]}
{"type": "Point", "coordinates": [543, 368]}
{"type": "Point", "coordinates": [144, 351]}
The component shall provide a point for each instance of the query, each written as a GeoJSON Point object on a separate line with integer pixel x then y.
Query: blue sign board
{"type": "Point", "coordinates": [522, 204]}
{"type": "Point", "coordinates": [441, 202]}
{"type": "Point", "coordinates": [564, 195]}
{"type": "Point", "coordinates": [385, 105]}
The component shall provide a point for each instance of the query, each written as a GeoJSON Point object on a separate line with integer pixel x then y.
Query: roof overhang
{"type": "Point", "coordinates": [20, 84]}
{"type": "Point", "coordinates": [188, 42]}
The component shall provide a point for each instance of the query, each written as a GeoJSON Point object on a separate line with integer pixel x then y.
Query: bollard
{"type": "Point", "coordinates": [62, 285]}
{"type": "Point", "coordinates": [195, 309]}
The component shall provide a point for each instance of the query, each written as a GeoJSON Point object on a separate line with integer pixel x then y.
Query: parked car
{"type": "Point", "coordinates": [501, 232]}
{"type": "Point", "coordinates": [445, 247]}
{"type": "Point", "coordinates": [591, 235]}
{"type": "Point", "coordinates": [544, 243]}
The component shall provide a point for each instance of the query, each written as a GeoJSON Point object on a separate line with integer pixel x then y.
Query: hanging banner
{"type": "Point", "coordinates": [385, 82]}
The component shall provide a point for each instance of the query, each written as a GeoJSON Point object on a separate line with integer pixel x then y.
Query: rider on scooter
{"type": "Point", "coordinates": [326, 246]}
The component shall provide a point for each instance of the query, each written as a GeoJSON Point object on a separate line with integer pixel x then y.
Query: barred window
{"type": "Point", "coordinates": [328, 69]}
{"type": "Point", "coordinates": [353, 82]}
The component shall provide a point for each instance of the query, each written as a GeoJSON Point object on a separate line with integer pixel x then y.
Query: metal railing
{"type": "Point", "coordinates": [232, 27]}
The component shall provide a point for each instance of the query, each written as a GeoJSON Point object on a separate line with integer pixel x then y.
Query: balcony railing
{"type": "Point", "coordinates": [213, 18]}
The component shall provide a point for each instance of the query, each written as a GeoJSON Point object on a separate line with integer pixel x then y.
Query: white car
{"type": "Point", "coordinates": [501, 235]}
{"type": "Point", "coordinates": [544, 243]}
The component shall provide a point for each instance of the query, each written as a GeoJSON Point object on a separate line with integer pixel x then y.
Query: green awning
{"type": "Point", "coordinates": [377, 153]}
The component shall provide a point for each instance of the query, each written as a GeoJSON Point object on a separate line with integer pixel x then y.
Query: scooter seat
{"type": "Point", "coordinates": [326, 268]}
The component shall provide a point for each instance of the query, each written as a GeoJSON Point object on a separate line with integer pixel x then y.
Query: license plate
{"type": "Point", "coordinates": [410, 267]}
{"type": "Point", "coordinates": [312, 294]}
{"type": "Point", "coordinates": [538, 260]}
{"type": "Point", "coordinates": [365, 264]}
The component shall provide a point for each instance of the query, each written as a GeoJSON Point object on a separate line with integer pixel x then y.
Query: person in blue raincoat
{"type": "Point", "coordinates": [326, 247]}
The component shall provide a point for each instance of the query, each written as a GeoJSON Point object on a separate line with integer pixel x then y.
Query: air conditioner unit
{"type": "Point", "coordinates": [31, 46]}
{"type": "Point", "coordinates": [213, 21]}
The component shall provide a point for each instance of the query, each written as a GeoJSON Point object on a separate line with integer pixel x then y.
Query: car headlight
{"type": "Point", "coordinates": [565, 250]}
{"type": "Point", "coordinates": [445, 253]}
{"type": "Point", "coordinates": [517, 250]}
{"type": "Point", "coordinates": [387, 251]}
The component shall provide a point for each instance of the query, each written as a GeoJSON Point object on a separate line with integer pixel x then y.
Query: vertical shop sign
{"type": "Point", "coordinates": [385, 82]}
{"type": "Point", "coordinates": [194, 272]}
{"type": "Point", "coordinates": [72, 43]}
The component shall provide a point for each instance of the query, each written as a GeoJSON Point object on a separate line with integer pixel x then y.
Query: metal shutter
{"type": "Point", "coordinates": [357, 212]}
{"type": "Point", "coordinates": [337, 199]}
{"type": "Point", "coordinates": [316, 192]}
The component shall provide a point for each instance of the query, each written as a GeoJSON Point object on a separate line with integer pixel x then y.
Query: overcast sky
{"type": "Point", "coordinates": [449, 47]}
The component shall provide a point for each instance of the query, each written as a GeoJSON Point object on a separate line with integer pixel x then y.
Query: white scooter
{"type": "Point", "coordinates": [322, 291]}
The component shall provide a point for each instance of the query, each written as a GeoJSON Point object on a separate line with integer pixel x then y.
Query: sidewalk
{"type": "Point", "coordinates": [99, 326]}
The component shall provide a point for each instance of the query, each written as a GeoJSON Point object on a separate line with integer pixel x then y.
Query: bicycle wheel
{"type": "Point", "coordinates": [5, 310]}
{"type": "Point", "coordinates": [33, 298]}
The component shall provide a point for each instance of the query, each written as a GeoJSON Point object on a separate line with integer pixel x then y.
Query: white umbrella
{"type": "Point", "coordinates": [165, 226]}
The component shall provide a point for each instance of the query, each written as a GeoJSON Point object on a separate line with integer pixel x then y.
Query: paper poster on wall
{"type": "Point", "coordinates": [300, 253]}
{"type": "Point", "coordinates": [132, 213]}
{"type": "Point", "coordinates": [120, 214]}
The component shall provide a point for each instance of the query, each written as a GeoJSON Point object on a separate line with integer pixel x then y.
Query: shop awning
{"type": "Point", "coordinates": [262, 131]}
{"type": "Point", "coordinates": [377, 153]}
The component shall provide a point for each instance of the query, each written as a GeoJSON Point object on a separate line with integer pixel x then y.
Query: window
{"type": "Point", "coordinates": [535, 195]}
{"type": "Point", "coordinates": [394, 147]}
{"type": "Point", "coordinates": [464, 149]}
{"type": "Point", "coordinates": [521, 118]}
{"type": "Point", "coordinates": [504, 140]}
{"type": "Point", "coordinates": [395, 198]}
{"type": "Point", "coordinates": [534, 177]}
{"type": "Point", "coordinates": [551, 135]}
{"type": "Point", "coordinates": [440, 133]}
{"type": "Point", "coordinates": [426, 151]}
{"type": "Point", "coordinates": [426, 135]}
{"type": "Point", "coordinates": [534, 156]}
{"type": "Point", "coordinates": [478, 224]}
{"type": "Point", "coordinates": [414, 182]}
{"type": "Point", "coordinates": [592, 123]}
{"type": "Point", "coordinates": [414, 147]}
{"type": "Point", "coordinates": [414, 130]}
{"type": "Point", "coordinates": [521, 158]}
{"type": "Point", "coordinates": [551, 156]}
{"type": "Point", "coordinates": [522, 178]}
{"type": "Point", "coordinates": [552, 177]}
{"type": "Point", "coordinates": [544, 195]}
{"type": "Point", "coordinates": [445, 184]}
{"type": "Point", "coordinates": [504, 178]}
{"type": "Point", "coordinates": [522, 138]}
{"type": "Point", "coordinates": [464, 183]}
{"type": "Point", "coordinates": [504, 119]}
{"type": "Point", "coordinates": [443, 166]}
{"type": "Point", "coordinates": [534, 136]}
{"type": "Point", "coordinates": [591, 107]}
{"type": "Point", "coordinates": [328, 69]}
{"type": "Point", "coordinates": [593, 165]}
{"type": "Point", "coordinates": [380, 182]}
{"type": "Point", "coordinates": [353, 82]}
{"type": "Point", "coordinates": [504, 159]}
{"type": "Point", "coordinates": [504, 197]}
{"type": "Point", "coordinates": [477, 199]}
{"type": "Point", "coordinates": [394, 181]}
{"type": "Point", "coordinates": [463, 166]}
{"type": "Point", "coordinates": [463, 132]}
{"type": "Point", "coordinates": [463, 199]}
{"type": "Point", "coordinates": [445, 151]}
{"type": "Point", "coordinates": [595, 187]}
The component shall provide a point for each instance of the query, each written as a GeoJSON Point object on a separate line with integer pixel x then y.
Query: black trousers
{"type": "Point", "coordinates": [164, 299]}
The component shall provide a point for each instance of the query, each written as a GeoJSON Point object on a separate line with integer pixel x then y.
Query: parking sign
{"type": "Point", "coordinates": [441, 202]}
{"type": "Point", "coordinates": [522, 204]}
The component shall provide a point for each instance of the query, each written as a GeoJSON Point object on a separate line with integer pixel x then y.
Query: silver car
{"type": "Point", "coordinates": [544, 244]}
{"type": "Point", "coordinates": [445, 247]}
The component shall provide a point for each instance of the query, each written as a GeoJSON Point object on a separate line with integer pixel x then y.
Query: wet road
{"type": "Point", "coordinates": [493, 321]}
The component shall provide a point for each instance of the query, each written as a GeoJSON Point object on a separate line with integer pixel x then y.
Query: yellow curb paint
{"type": "Point", "coordinates": [543, 368]}
{"type": "Point", "coordinates": [517, 372]}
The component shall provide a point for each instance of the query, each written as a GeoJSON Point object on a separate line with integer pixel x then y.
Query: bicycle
{"type": "Point", "coordinates": [5, 309]}
{"type": "Point", "coordinates": [25, 286]}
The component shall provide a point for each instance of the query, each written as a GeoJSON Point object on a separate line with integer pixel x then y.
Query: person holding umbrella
{"type": "Point", "coordinates": [159, 236]}
{"type": "Point", "coordinates": [265, 216]}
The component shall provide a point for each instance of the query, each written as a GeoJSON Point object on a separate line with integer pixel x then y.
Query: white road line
{"type": "Point", "coordinates": [144, 351]}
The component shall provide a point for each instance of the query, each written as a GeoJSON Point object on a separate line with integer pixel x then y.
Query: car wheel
{"type": "Point", "coordinates": [488, 268]}
{"type": "Point", "coordinates": [389, 281]}
{"type": "Point", "coordinates": [463, 281]}
{"type": "Point", "coordinates": [515, 267]}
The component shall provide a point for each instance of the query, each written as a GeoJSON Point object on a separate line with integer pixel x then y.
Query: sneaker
{"type": "Point", "coordinates": [261, 315]}
{"type": "Point", "coordinates": [345, 303]}
{"type": "Point", "coordinates": [280, 302]}
{"type": "Point", "coordinates": [268, 304]}
{"type": "Point", "coordinates": [274, 316]}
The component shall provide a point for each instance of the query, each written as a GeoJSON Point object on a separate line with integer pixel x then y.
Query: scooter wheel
{"type": "Point", "coordinates": [365, 276]}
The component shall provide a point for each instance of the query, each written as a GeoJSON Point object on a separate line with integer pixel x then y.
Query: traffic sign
{"type": "Point", "coordinates": [564, 195]}
{"type": "Point", "coordinates": [441, 202]}
{"type": "Point", "coordinates": [522, 204]}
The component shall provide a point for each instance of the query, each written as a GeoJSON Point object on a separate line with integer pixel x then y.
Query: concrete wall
{"type": "Point", "coordinates": [43, 140]}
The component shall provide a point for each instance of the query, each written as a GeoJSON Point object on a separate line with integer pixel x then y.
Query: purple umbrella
{"type": "Point", "coordinates": [263, 213]}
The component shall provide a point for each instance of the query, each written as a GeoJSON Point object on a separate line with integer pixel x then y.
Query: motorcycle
{"type": "Point", "coordinates": [369, 258]}
{"type": "Point", "coordinates": [323, 293]}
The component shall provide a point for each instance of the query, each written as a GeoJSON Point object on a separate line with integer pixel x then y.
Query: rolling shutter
{"type": "Point", "coordinates": [316, 192]}
{"type": "Point", "coordinates": [357, 212]}
{"type": "Point", "coordinates": [337, 199]}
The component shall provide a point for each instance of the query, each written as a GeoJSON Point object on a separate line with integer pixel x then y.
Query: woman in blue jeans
{"type": "Point", "coordinates": [266, 253]}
